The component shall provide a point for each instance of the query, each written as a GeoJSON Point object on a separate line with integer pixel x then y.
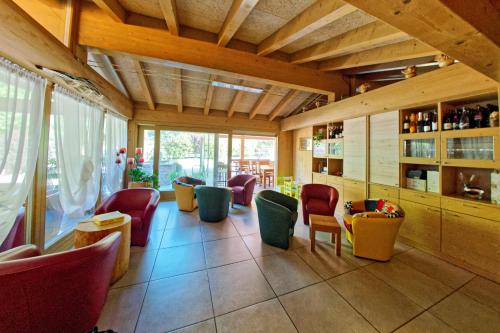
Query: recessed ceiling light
{"type": "Point", "coordinates": [237, 87]}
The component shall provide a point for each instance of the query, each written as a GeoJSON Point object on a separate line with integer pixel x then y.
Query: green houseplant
{"type": "Point", "coordinates": [137, 176]}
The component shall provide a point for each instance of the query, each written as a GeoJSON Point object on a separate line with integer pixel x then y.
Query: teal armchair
{"type": "Point", "coordinates": [277, 216]}
{"type": "Point", "coordinates": [213, 202]}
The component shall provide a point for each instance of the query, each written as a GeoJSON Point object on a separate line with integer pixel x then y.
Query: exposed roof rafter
{"type": "Point", "coordinates": [261, 101]}
{"type": "Point", "coordinates": [210, 94]}
{"type": "Point", "coordinates": [283, 104]}
{"type": "Point", "coordinates": [113, 8]}
{"type": "Point", "coordinates": [169, 10]}
{"type": "Point", "coordinates": [237, 14]}
{"type": "Point", "coordinates": [146, 88]}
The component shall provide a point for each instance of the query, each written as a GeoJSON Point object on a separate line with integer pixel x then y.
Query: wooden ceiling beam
{"type": "Point", "coordinates": [210, 95]}
{"type": "Point", "coordinates": [365, 37]}
{"type": "Point", "coordinates": [456, 28]}
{"type": "Point", "coordinates": [237, 14]}
{"type": "Point", "coordinates": [143, 80]}
{"type": "Point", "coordinates": [146, 44]}
{"type": "Point", "coordinates": [236, 99]}
{"type": "Point", "coordinates": [261, 101]}
{"type": "Point", "coordinates": [283, 104]}
{"type": "Point", "coordinates": [316, 16]}
{"type": "Point", "coordinates": [178, 89]}
{"type": "Point", "coordinates": [169, 10]}
{"type": "Point", "coordinates": [410, 49]}
{"type": "Point", "coordinates": [113, 8]}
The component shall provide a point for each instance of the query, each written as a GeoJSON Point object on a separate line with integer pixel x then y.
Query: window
{"type": "Point", "coordinates": [113, 162]}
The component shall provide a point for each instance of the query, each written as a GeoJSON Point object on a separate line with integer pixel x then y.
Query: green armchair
{"type": "Point", "coordinates": [277, 216]}
{"type": "Point", "coordinates": [213, 202]}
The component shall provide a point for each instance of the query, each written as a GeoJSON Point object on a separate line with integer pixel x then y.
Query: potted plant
{"type": "Point", "coordinates": [138, 177]}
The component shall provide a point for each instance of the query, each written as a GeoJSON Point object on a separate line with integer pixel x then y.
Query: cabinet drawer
{"type": "Point", "coordinates": [471, 208]}
{"type": "Point", "coordinates": [354, 190]}
{"type": "Point", "coordinates": [424, 198]}
{"type": "Point", "coordinates": [319, 178]}
{"type": "Point", "coordinates": [422, 224]}
{"type": "Point", "coordinates": [473, 240]}
{"type": "Point", "coordinates": [384, 192]}
{"type": "Point", "coordinates": [334, 180]}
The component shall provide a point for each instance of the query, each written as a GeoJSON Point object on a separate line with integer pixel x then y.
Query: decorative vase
{"type": "Point", "coordinates": [444, 60]}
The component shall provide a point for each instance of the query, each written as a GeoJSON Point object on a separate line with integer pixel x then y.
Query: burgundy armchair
{"type": "Point", "coordinates": [318, 199]}
{"type": "Point", "coordinates": [140, 203]}
{"type": "Point", "coordinates": [61, 292]}
{"type": "Point", "coordinates": [242, 186]}
{"type": "Point", "coordinates": [15, 237]}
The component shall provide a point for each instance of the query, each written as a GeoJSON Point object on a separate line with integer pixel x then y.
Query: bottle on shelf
{"type": "Point", "coordinates": [464, 122]}
{"type": "Point", "coordinates": [406, 124]}
{"type": "Point", "coordinates": [447, 123]}
{"type": "Point", "coordinates": [478, 117]}
{"type": "Point", "coordinates": [413, 123]}
{"type": "Point", "coordinates": [341, 132]}
{"type": "Point", "coordinates": [427, 123]}
{"type": "Point", "coordinates": [434, 121]}
{"type": "Point", "coordinates": [456, 120]}
{"type": "Point", "coordinates": [420, 123]}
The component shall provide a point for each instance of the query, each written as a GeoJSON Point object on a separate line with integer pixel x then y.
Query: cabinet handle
{"type": "Point", "coordinates": [436, 162]}
{"type": "Point", "coordinates": [470, 206]}
{"type": "Point", "coordinates": [455, 215]}
{"type": "Point", "coordinates": [445, 162]}
{"type": "Point", "coordinates": [433, 210]}
{"type": "Point", "coordinates": [422, 196]}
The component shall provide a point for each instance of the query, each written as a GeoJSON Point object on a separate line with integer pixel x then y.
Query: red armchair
{"type": "Point", "coordinates": [140, 203]}
{"type": "Point", "coordinates": [242, 186]}
{"type": "Point", "coordinates": [15, 237]}
{"type": "Point", "coordinates": [61, 292]}
{"type": "Point", "coordinates": [318, 199]}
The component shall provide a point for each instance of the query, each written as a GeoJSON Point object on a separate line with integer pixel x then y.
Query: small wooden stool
{"type": "Point", "coordinates": [326, 224]}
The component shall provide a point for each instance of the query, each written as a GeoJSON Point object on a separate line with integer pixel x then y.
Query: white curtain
{"type": "Point", "coordinates": [115, 137]}
{"type": "Point", "coordinates": [78, 129]}
{"type": "Point", "coordinates": [21, 111]}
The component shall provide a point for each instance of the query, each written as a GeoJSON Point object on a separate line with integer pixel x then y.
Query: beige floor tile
{"type": "Point", "coordinates": [319, 308]}
{"type": "Point", "coordinates": [286, 272]}
{"type": "Point", "coordinates": [400, 247]}
{"type": "Point", "coordinates": [417, 286]}
{"type": "Point", "coordinates": [175, 302]}
{"type": "Point", "coordinates": [263, 317]}
{"type": "Point", "coordinates": [122, 308]}
{"type": "Point", "coordinates": [207, 326]}
{"type": "Point", "coordinates": [160, 217]}
{"type": "Point", "coordinates": [225, 251]}
{"type": "Point", "coordinates": [179, 219]}
{"type": "Point", "coordinates": [464, 314]}
{"type": "Point", "coordinates": [258, 248]}
{"type": "Point", "coordinates": [426, 323]}
{"type": "Point", "coordinates": [484, 291]}
{"type": "Point", "coordinates": [246, 225]}
{"type": "Point", "coordinates": [324, 260]}
{"type": "Point", "coordinates": [237, 285]}
{"type": "Point", "coordinates": [139, 269]}
{"type": "Point", "coordinates": [298, 242]}
{"type": "Point", "coordinates": [436, 268]}
{"type": "Point", "coordinates": [179, 260]}
{"type": "Point", "coordinates": [384, 307]}
{"type": "Point", "coordinates": [218, 230]}
{"type": "Point", "coordinates": [181, 236]}
{"type": "Point", "coordinates": [348, 254]}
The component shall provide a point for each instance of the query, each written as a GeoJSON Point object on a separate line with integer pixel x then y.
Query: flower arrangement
{"type": "Point", "coordinates": [120, 155]}
{"type": "Point", "coordinates": [137, 174]}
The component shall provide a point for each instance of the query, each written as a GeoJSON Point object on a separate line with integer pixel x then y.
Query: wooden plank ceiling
{"type": "Point", "coordinates": [168, 52]}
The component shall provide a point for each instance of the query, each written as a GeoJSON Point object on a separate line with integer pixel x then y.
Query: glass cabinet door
{"type": "Point", "coordinates": [335, 148]}
{"type": "Point", "coordinates": [474, 148]}
{"type": "Point", "coordinates": [418, 150]}
{"type": "Point", "coordinates": [319, 148]}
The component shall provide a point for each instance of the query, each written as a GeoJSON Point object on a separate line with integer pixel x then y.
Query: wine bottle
{"type": "Point", "coordinates": [456, 120]}
{"type": "Point", "coordinates": [427, 123]}
{"type": "Point", "coordinates": [447, 125]}
{"type": "Point", "coordinates": [464, 122]}
{"type": "Point", "coordinates": [413, 123]}
{"type": "Point", "coordinates": [341, 132]}
{"type": "Point", "coordinates": [406, 125]}
{"type": "Point", "coordinates": [420, 123]}
{"type": "Point", "coordinates": [478, 117]}
{"type": "Point", "coordinates": [434, 124]}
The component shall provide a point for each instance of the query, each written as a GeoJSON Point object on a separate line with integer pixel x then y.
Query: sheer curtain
{"type": "Point", "coordinates": [21, 110]}
{"type": "Point", "coordinates": [78, 140]}
{"type": "Point", "coordinates": [115, 137]}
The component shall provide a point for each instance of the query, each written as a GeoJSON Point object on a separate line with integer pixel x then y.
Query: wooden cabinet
{"type": "Point", "coordinates": [354, 190]}
{"type": "Point", "coordinates": [338, 183]}
{"type": "Point", "coordinates": [319, 178]}
{"type": "Point", "coordinates": [355, 148]}
{"type": "Point", "coordinates": [419, 148]}
{"type": "Point", "coordinates": [425, 198]}
{"type": "Point", "coordinates": [384, 148]}
{"type": "Point", "coordinates": [383, 192]}
{"type": "Point", "coordinates": [473, 240]}
{"type": "Point", "coordinates": [422, 225]}
{"type": "Point", "coordinates": [471, 207]}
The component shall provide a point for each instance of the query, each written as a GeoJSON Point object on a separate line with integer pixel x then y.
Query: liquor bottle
{"type": "Point", "coordinates": [406, 124]}
{"type": "Point", "coordinates": [427, 123]}
{"type": "Point", "coordinates": [456, 120]}
{"type": "Point", "coordinates": [434, 123]}
{"type": "Point", "coordinates": [413, 123]}
{"type": "Point", "coordinates": [447, 124]}
{"type": "Point", "coordinates": [341, 132]}
{"type": "Point", "coordinates": [464, 122]}
{"type": "Point", "coordinates": [420, 123]}
{"type": "Point", "coordinates": [478, 117]}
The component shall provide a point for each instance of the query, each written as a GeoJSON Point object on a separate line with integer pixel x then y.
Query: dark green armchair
{"type": "Point", "coordinates": [213, 202]}
{"type": "Point", "coordinates": [277, 216]}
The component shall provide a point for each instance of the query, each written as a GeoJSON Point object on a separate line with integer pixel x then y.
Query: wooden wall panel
{"type": "Point", "coordinates": [355, 148]}
{"type": "Point", "coordinates": [285, 153]}
{"type": "Point", "coordinates": [302, 166]}
{"type": "Point", "coordinates": [384, 148]}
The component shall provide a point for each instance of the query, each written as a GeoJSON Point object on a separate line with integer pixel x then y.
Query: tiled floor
{"type": "Point", "coordinates": [219, 277]}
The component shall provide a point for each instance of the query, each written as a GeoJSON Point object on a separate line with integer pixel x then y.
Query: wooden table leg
{"type": "Point", "coordinates": [312, 236]}
{"type": "Point", "coordinates": [338, 242]}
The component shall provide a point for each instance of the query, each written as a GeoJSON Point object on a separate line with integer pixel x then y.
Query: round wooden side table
{"type": "Point", "coordinates": [87, 233]}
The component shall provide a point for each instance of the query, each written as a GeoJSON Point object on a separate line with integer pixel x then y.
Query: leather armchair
{"type": "Point", "coordinates": [184, 192]}
{"type": "Point", "coordinates": [61, 292]}
{"type": "Point", "coordinates": [214, 202]}
{"type": "Point", "coordinates": [318, 199]}
{"type": "Point", "coordinates": [277, 217]}
{"type": "Point", "coordinates": [372, 227]}
{"type": "Point", "coordinates": [140, 203]}
{"type": "Point", "coordinates": [242, 186]}
{"type": "Point", "coordinates": [15, 237]}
